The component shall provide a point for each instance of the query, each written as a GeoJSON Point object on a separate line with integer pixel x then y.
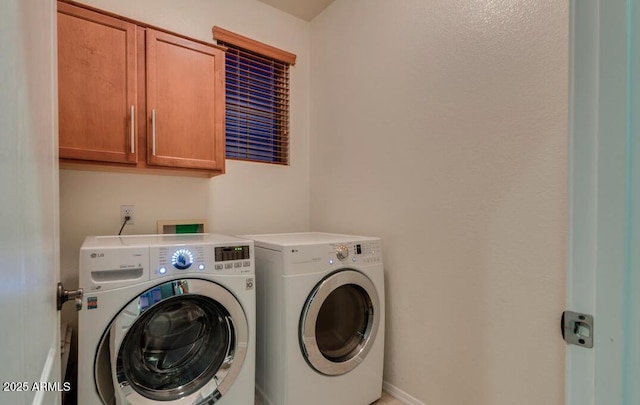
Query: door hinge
{"type": "Point", "coordinates": [577, 329]}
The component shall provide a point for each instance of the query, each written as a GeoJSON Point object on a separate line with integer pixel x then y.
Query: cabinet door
{"type": "Point", "coordinates": [96, 86]}
{"type": "Point", "coordinates": [185, 103]}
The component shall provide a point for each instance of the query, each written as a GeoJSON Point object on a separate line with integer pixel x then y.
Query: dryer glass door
{"type": "Point", "coordinates": [182, 339]}
{"type": "Point", "coordinates": [339, 322]}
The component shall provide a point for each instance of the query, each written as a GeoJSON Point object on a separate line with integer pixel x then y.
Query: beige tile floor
{"type": "Point", "coordinates": [385, 400]}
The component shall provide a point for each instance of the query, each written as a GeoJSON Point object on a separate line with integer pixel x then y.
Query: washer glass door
{"type": "Point", "coordinates": [182, 339]}
{"type": "Point", "coordinates": [339, 322]}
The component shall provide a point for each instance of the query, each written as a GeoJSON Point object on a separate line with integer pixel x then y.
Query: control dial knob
{"type": "Point", "coordinates": [342, 252]}
{"type": "Point", "coordinates": [182, 259]}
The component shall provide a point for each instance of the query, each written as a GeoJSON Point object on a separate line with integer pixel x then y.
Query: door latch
{"type": "Point", "coordinates": [577, 329]}
{"type": "Point", "coordinates": [66, 295]}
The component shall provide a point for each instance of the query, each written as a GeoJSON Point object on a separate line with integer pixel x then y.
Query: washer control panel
{"type": "Point", "coordinates": [108, 262]}
{"type": "Point", "coordinates": [227, 253]}
{"type": "Point", "coordinates": [178, 259]}
{"type": "Point", "coordinates": [171, 260]}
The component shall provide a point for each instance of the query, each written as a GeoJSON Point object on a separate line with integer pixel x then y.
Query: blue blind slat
{"type": "Point", "coordinates": [257, 107]}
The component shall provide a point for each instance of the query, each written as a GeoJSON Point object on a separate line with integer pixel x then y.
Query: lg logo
{"type": "Point", "coordinates": [94, 255]}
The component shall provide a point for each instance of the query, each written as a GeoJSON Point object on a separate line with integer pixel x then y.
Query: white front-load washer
{"type": "Point", "coordinates": [320, 318]}
{"type": "Point", "coordinates": [167, 319]}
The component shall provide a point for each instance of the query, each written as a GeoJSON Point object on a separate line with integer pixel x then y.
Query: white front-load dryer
{"type": "Point", "coordinates": [320, 318]}
{"type": "Point", "coordinates": [167, 319]}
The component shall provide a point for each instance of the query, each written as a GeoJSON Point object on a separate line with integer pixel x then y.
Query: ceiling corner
{"type": "Point", "coordinates": [304, 9]}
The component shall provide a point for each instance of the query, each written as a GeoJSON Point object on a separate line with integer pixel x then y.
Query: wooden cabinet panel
{"type": "Point", "coordinates": [96, 86]}
{"type": "Point", "coordinates": [135, 94]}
{"type": "Point", "coordinates": [185, 103]}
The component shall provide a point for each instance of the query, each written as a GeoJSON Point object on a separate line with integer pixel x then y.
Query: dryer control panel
{"type": "Point", "coordinates": [366, 252]}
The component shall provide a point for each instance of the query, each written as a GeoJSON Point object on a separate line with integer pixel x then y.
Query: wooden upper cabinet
{"type": "Point", "coordinates": [96, 86]}
{"type": "Point", "coordinates": [185, 103]}
{"type": "Point", "coordinates": [135, 96]}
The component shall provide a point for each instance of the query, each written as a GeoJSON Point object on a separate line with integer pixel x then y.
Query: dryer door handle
{"type": "Point", "coordinates": [66, 295]}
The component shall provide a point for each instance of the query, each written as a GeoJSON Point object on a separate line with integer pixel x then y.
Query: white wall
{"type": "Point", "coordinates": [249, 198]}
{"type": "Point", "coordinates": [441, 126]}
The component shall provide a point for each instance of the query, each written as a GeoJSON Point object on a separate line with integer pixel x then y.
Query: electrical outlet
{"type": "Point", "coordinates": [128, 211]}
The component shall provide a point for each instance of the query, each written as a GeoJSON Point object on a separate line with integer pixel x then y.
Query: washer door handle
{"type": "Point", "coordinates": [66, 295]}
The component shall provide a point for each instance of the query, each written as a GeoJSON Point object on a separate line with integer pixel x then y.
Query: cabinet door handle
{"type": "Point", "coordinates": [133, 130]}
{"type": "Point", "coordinates": [153, 132]}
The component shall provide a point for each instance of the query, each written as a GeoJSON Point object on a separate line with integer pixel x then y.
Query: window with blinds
{"type": "Point", "coordinates": [257, 99]}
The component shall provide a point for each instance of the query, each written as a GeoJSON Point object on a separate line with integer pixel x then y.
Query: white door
{"type": "Point", "coordinates": [604, 255]}
{"type": "Point", "coordinates": [29, 242]}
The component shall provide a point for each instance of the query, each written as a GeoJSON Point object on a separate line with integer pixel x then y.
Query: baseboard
{"type": "Point", "coordinates": [400, 395]}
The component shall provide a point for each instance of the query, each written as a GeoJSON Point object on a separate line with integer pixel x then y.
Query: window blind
{"type": "Point", "coordinates": [257, 105]}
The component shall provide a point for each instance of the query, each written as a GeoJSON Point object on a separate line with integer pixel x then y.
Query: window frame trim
{"type": "Point", "coordinates": [221, 34]}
